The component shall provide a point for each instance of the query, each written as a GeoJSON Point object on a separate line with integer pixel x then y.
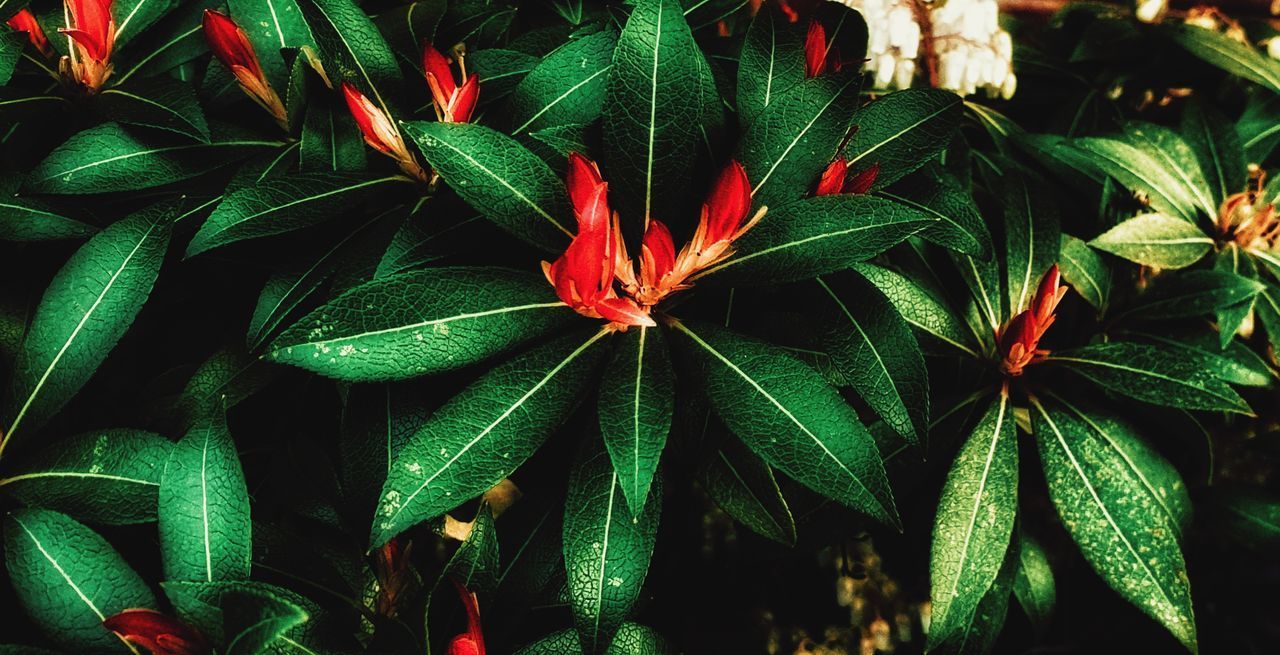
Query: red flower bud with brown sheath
{"type": "Point", "coordinates": [836, 179]}
{"type": "Point", "coordinates": [380, 133]}
{"type": "Point", "coordinates": [1020, 338]}
{"type": "Point", "coordinates": [453, 103]}
{"type": "Point", "coordinates": [231, 46]}
{"type": "Point", "coordinates": [25, 21]}
{"type": "Point", "coordinates": [93, 36]}
{"type": "Point", "coordinates": [159, 633]}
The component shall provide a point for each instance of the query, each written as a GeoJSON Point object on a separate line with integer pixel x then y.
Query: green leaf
{"type": "Point", "coordinates": [744, 487]}
{"type": "Point", "coordinates": [135, 16]}
{"type": "Point", "coordinates": [1251, 516]}
{"type": "Point", "coordinates": [921, 310]}
{"type": "Point", "coordinates": [499, 71]}
{"type": "Point", "coordinates": [353, 50]}
{"type": "Point", "coordinates": [205, 532]}
{"type": "Point", "coordinates": [23, 218]}
{"type": "Point", "coordinates": [85, 310]}
{"type": "Point", "coordinates": [1085, 271]}
{"type": "Point", "coordinates": [978, 634]}
{"type": "Point", "coordinates": [159, 102]}
{"type": "Point", "coordinates": [176, 39]}
{"type": "Point", "coordinates": [652, 110]}
{"type": "Point", "coordinates": [110, 157]}
{"type": "Point", "coordinates": [422, 322]}
{"type": "Point", "coordinates": [475, 563]}
{"type": "Point", "coordinates": [223, 380]}
{"type": "Point", "coordinates": [974, 524]}
{"type": "Point", "coordinates": [292, 202]}
{"type": "Point", "coordinates": [1268, 312]}
{"type": "Point", "coordinates": [606, 550]}
{"type": "Point", "coordinates": [210, 607]}
{"type": "Point", "coordinates": [1232, 319]}
{"type": "Point", "coordinates": [784, 411]}
{"type": "Point", "coordinates": [567, 86]}
{"type": "Point", "coordinates": [330, 140]}
{"type": "Point", "coordinates": [1141, 173]}
{"type": "Point", "coordinates": [1120, 526]}
{"type": "Point", "coordinates": [771, 62]}
{"type": "Point", "coordinates": [1236, 364]}
{"type": "Point", "coordinates": [935, 192]}
{"type": "Point", "coordinates": [902, 131]}
{"type": "Point", "coordinates": [108, 476]}
{"type": "Point", "coordinates": [785, 149]}
{"type": "Point", "coordinates": [500, 178]}
{"type": "Point", "coordinates": [1258, 129]}
{"type": "Point", "coordinates": [1217, 147]}
{"type": "Point", "coordinates": [1151, 375]}
{"type": "Point", "coordinates": [270, 26]}
{"type": "Point", "coordinates": [1033, 584]}
{"type": "Point", "coordinates": [631, 639]}
{"type": "Point", "coordinates": [1032, 236]}
{"type": "Point", "coordinates": [11, 47]}
{"type": "Point", "coordinates": [635, 406]}
{"type": "Point", "coordinates": [1157, 240]}
{"type": "Point", "coordinates": [1176, 157]}
{"type": "Point", "coordinates": [1194, 293]}
{"type": "Point", "coordinates": [68, 579]}
{"type": "Point", "coordinates": [1226, 53]}
{"type": "Point", "coordinates": [377, 420]}
{"type": "Point", "coordinates": [816, 236]}
{"type": "Point", "coordinates": [256, 620]}
{"type": "Point", "coordinates": [872, 347]}
{"type": "Point", "coordinates": [484, 433]}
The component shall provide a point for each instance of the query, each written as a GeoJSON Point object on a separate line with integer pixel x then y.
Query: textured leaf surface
{"type": "Point", "coordinates": [920, 309]}
{"type": "Point", "coordinates": [1152, 375]}
{"type": "Point", "coordinates": [1226, 53]}
{"type": "Point", "coordinates": [204, 605]}
{"type": "Point", "coordinates": [85, 310]}
{"type": "Point", "coordinates": [1176, 156]}
{"type": "Point", "coordinates": [606, 551]}
{"type": "Point", "coordinates": [1217, 147]}
{"type": "Point", "coordinates": [353, 50]}
{"type": "Point", "coordinates": [631, 639]}
{"type": "Point", "coordinates": [160, 102]}
{"type": "Point", "coordinates": [421, 322]}
{"type": "Point", "coordinates": [205, 532]}
{"type": "Point", "coordinates": [1085, 271]}
{"type": "Point", "coordinates": [1032, 236]}
{"type": "Point", "coordinates": [1033, 584]}
{"type": "Point", "coordinates": [107, 476]}
{"type": "Point", "coordinates": [771, 62]}
{"type": "Point", "coordinates": [978, 635]}
{"type": "Point", "coordinates": [974, 525]}
{"type": "Point", "coordinates": [934, 191]}
{"type": "Point", "coordinates": [271, 25]}
{"type": "Point", "coordinates": [1194, 293]}
{"type": "Point", "coordinates": [567, 86]}
{"type": "Point", "coordinates": [31, 219]}
{"type": "Point", "coordinates": [743, 486]}
{"type": "Point", "coordinates": [482, 434]}
{"type": "Point", "coordinates": [499, 178]}
{"type": "Point", "coordinates": [873, 348]}
{"type": "Point", "coordinates": [1156, 240]}
{"type": "Point", "coordinates": [1121, 529]}
{"type": "Point", "coordinates": [68, 579]}
{"type": "Point", "coordinates": [784, 411]}
{"type": "Point", "coordinates": [255, 620]}
{"type": "Point", "coordinates": [1141, 173]}
{"type": "Point", "coordinates": [637, 398]}
{"type": "Point", "coordinates": [902, 131]}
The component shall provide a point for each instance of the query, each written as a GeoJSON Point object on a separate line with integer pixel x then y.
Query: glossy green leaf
{"type": "Point", "coordinates": [1151, 375]}
{"type": "Point", "coordinates": [23, 218]}
{"type": "Point", "coordinates": [255, 620]}
{"type": "Point", "coordinates": [1217, 147]}
{"type": "Point", "coordinates": [423, 322]}
{"type": "Point", "coordinates": [902, 131]}
{"type": "Point", "coordinates": [784, 411]}
{"type": "Point", "coordinates": [743, 486]}
{"type": "Point", "coordinates": [771, 62]}
{"type": "Point", "coordinates": [1033, 584]}
{"type": "Point", "coordinates": [500, 178]}
{"type": "Point", "coordinates": [1226, 53]}
{"type": "Point", "coordinates": [636, 402]}
{"type": "Point", "coordinates": [11, 47]}
{"type": "Point", "coordinates": [978, 634]}
{"type": "Point", "coordinates": [631, 639]}
{"type": "Point", "coordinates": [1235, 364]}
{"type": "Point", "coordinates": [1141, 173]}
{"type": "Point", "coordinates": [1118, 523]}
{"type": "Point", "coordinates": [500, 71]}
{"type": "Point", "coordinates": [283, 204]}
{"type": "Point", "coordinates": [1032, 236]}
{"type": "Point", "coordinates": [475, 563]}
{"type": "Point", "coordinates": [652, 110]}
{"type": "Point", "coordinates": [817, 236]}
{"type": "Point", "coordinates": [1085, 271]}
{"type": "Point", "coordinates": [270, 26]}
{"type": "Point", "coordinates": [219, 611]}
{"type": "Point", "coordinates": [1157, 240]}
{"type": "Point", "coordinates": [227, 377]}
{"type": "Point", "coordinates": [205, 532]}
{"type": "Point", "coordinates": [110, 157]}
{"type": "Point", "coordinates": [159, 102]}
{"type": "Point", "coordinates": [174, 40]}
{"type": "Point", "coordinates": [566, 86]}
{"type": "Point", "coordinates": [921, 309]}
{"type": "Point", "coordinates": [1257, 128]}
{"type": "Point", "coordinates": [330, 140]}
{"type": "Point", "coordinates": [68, 579]}
{"type": "Point", "coordinates": [872, 347]}
{"type": "Point", "coordinates": [606, 550]}
{"type": "Point", "coordinates": [85, 310]}
{"type": "Point", "coordinates": [934, 191]}
{"type": "Point", "coordinates": [107, 476]}
{"type": "Point", "coordinates": [974, 524]}
{"type": "Point", "coordinates": [1268, 313]}
{"type": "Point", "coordinates": [481, 435]}
{"type": "Point", "coordinates": [1194, 293]}
{"type": "Point", "coordinates": [1175, 156]}
{"type": "Point", "coordinates": [789, 144]}
{"type": "Point", "coordinates": [353, 50]}
{"type": "Point", "coordinates": [134, 16]}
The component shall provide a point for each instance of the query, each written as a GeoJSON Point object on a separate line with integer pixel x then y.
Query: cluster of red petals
{"type": "Point", "coordinates": [818, 56]}
{"type": "Point", "coordinates": [453, 103]}
{"type": "Point", "coordinates": [1020, 339]}
{"type": "Point", "coordinates": [231, 46]}
{"type": "Point", "coordinates": [470, 642]}
{"type": "Point", "coordinates": [379, 132]}
{"type": "Point", "coordinates": [159, 633]}
{"type": "Point", "coordinates": [94, 33]}
{"type": "Point", "coordinates": [584, 275]}
{"type": "Point", "coordinates": [25, 21]}
{"type": "Point", "coordinates": [836, 179]}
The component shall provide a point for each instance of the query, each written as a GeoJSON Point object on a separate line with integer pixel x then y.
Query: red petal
{"type": "Point", "coordinates": [624, 311]}
{"type": "Point", "coordinates": [815, 50]}
{"type": "Point", "coordinates": [25, 21]}
{"type": "Point", "coordinates": [659, 250]}
{"type": "Point", "coordinates": [158, 633]}
{"type": "Point", "coordinates": [434, 63]}
{"type": "Point", "coordinates": [465, 102]}
{"type": "Point", "coordinates": [832, 180]}
{"type": "Point", "coordinates": [582, 180]}
{"type": "Point", "coordinates": [92, 19]}
{"type": "Point", "coordinates": [863, 181]}
{"type": "Point", "coordinates": [463, 645]}
{"type": "Point", "coordinates": [475, 635]}
{"type": "Point", "coordinates": [728, 204]}
{"type": "Point", "coordinates": [588, 261]}
{"type": "Point", "coordinates": [229, 43]}
{"type": "Point", "coordinates": [365, 114]}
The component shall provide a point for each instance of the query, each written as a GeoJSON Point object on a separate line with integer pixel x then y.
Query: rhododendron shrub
{"type": "Point", "coordinates": [633, 327]}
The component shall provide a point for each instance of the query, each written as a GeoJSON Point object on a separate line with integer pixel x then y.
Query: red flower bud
{"type": "Point", "coordinates": [158, 633]}
{"type": "Point", "coordinates": [1020, 339]}
{"type": "Point", "coordinates": [815, 50]}
{"type": "Point", "coordinates": [863, 181]}
{"type": "Point", "coordinates": [472, 641]}
{"type": "Point", "coordinates": [832, 180]}
{"type": "Point", "coordinates": [727, 206]}
{"type": "Point", "coordinates": [231, 46]}
{"type": "Point", "coordinates": [94, 33]}
{"type": "Point", "coordinates": [658, 253]}
{"type": "Point", "coordinates": [453, 104]}
{"type": "Point", "coordinates": [25, 21]}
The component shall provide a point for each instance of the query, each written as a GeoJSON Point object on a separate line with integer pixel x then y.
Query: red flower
{"type": "Point", "coordinates": [453, 103]}
{"type": "Point", "coordinates": [583, 276]}
{"type": "Point", "coordinates": [94, 33]}
{"type": "Point", "coordinates": [379, 132]}
{"type": "Point", "coordinates": [835, 179]}
{"type": "Point", "coordinates": [1020, 339]}
{"type": "Point", "coordinates": [815, 50]}
{"type": "Point", "coordinates": [25, 21]}
{"type": "Point", "coordinates": [158, 633]}
{"type": "Point", "coordinates": [470, 642]}
{"type": "Point", "coordinates": [231, 46]}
